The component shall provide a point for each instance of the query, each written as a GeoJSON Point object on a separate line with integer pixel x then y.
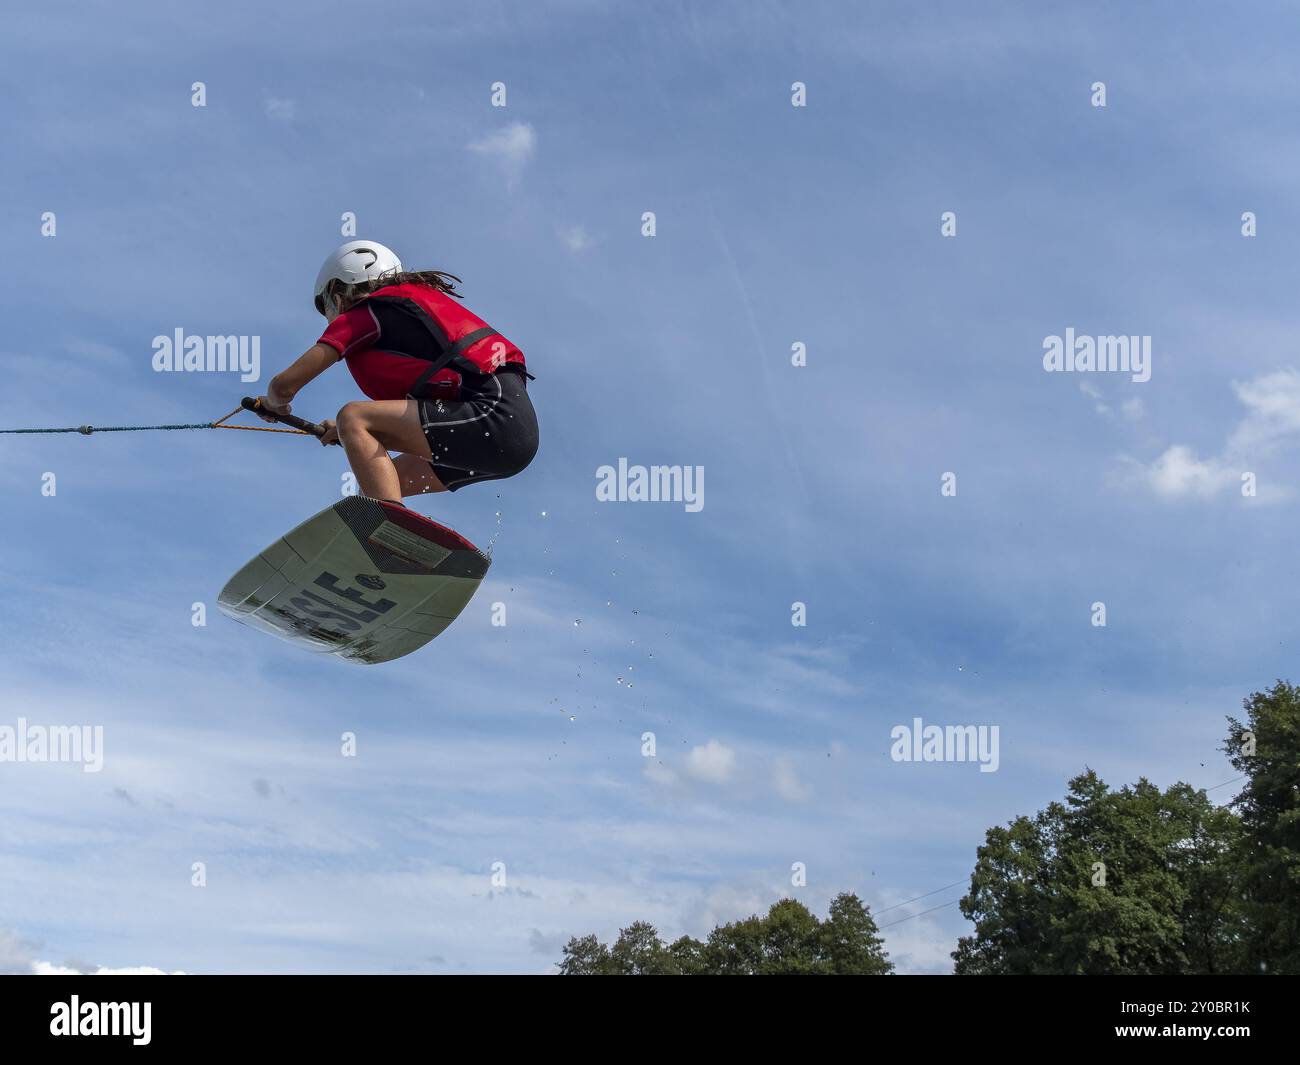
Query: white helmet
{"type": "Point", "coordinates": [354, 262]}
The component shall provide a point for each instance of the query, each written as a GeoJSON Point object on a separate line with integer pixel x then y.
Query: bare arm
{"type": "Point", "coordinates": [306, 368]}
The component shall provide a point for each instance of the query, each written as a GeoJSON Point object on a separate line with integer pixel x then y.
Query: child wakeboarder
{"type": "Point", "coordinates": [447, 391]}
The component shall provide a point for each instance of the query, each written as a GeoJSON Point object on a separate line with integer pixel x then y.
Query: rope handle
{"type": "Point", "coordinates": [301, 424]}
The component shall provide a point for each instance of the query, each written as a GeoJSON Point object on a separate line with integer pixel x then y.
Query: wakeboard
{"type": "Point", "coordinates": [364, 580]}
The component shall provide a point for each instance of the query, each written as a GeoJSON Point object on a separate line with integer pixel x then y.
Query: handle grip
{"type": "Point", "coordinates": [302, 424]}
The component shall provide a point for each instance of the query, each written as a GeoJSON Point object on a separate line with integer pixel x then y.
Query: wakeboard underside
{"type": "Point", "coordinates": [364, 580]}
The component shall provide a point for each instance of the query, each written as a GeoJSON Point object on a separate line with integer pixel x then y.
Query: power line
{"type": "Point", "coordinates": [941, 906]}
{"type": "Point", "coordinates": [955, 883]}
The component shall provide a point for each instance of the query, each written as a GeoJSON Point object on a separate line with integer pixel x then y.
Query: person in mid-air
{"type": "Point", "coordinates": [446, 390]}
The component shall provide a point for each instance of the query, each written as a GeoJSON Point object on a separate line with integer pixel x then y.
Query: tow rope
{"type": "Point", "coordinates": [299, 426]}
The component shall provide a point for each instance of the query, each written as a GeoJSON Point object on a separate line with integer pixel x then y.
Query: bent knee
{"type": "Point", "coordinates": [351, 418]}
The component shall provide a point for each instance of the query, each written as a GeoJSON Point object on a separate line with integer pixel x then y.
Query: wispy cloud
{"type": "Point", "coordinates": [18, 958]}
{"type": "Point", "coordinates": [788, 784]}
{"type": "Point", "coordinates": [511, 148]}
{"type": "Point", "coordinates": [576, 238]}
{"type": "Point", "coordinates": [712, 763]}
{"type": "Point", "coordinates": [278, 110]}
{"type": "Point", "coordinates": [44, 968]}
{"type": "Point", "coordinates": [1271, 421]}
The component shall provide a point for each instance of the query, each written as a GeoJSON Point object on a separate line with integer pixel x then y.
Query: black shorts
{"type": "Point", "coordinates": [490, 432]}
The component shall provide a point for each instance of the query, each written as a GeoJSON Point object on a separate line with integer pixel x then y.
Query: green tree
{"type": "Point", "coordinates": [688, 953]}
{"type": "Point", "coordinates": [639, 951]}
{"type": "Point", "coordinates": [1133, 881]}
{"type": "Point", "coordinates": [1266, 748]}
{"type": "Point", "coordinates": [851, 943]}
{"type": "Point", "coordinates": [789, 940]}
{"type": "Point", "coordinates": [587, 956]}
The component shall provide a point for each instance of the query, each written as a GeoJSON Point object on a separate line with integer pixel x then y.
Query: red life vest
{"type": "Point", "coordinates": [413, 340]}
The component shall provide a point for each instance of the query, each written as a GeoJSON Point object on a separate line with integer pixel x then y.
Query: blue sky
{"type": "Point", "coordinates": [775, 225]}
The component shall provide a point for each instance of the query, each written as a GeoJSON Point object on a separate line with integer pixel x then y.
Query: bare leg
{"type": "Point", "coordinates": [416, 476]}
{"type": "Point", "coordinates": [369, 430]}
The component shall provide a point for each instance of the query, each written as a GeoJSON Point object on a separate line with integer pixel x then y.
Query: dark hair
{"type": "Point", "coordinates": [345, 296]}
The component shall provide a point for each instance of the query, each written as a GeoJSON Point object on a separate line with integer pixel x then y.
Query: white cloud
{"type": "Point", "coordinates": [658, 773]}
{"type": "Point", "coordinates": [511, 147]}
{"type": "Point", "coordinates": [1132, 408]}
{"type": "Point", "coordinates": [1273, 403]}
{"type": "Point", "coordinates": [922, 947]}
{"type": "Point", "coordinates": [576, 238]}
{"type": "Point", "coordinates": [1179, 473]}
{"type": "Point", "coordinates": [15, 954]}
{"type": "Point", "coordinates": [713, 763]}
{"type": "Point", "coordinates": [1272, 420]}
{"type": "Point", "coordinates": [1094, 393]}
{"type": "Point", "coordinates": [788, 784]}
{"type": "Point", "coordinates": [44, 968]}
{"type": "Point", "coordinates": [729, 901]}
{"type": "Point", "coordinates": [281, 110]}
{"type": "Point", "coordinates": [16, 959]}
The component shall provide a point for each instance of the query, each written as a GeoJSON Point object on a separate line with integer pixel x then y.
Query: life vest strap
{"type": "Point", "coordinates": [470, 339]}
